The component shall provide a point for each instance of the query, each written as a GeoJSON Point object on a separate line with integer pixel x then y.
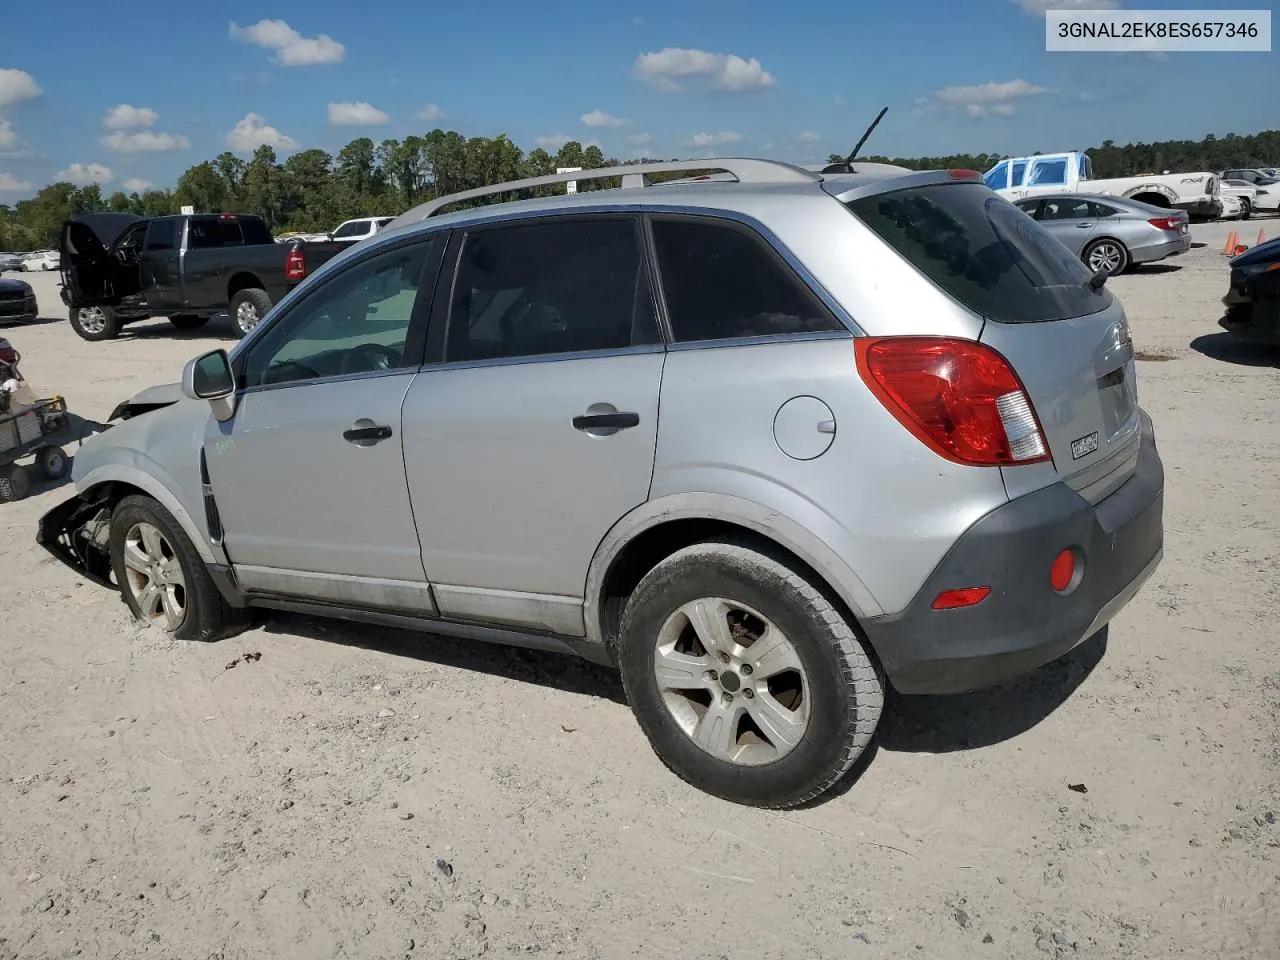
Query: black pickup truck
{"type": "Point", "coordinates": [118, 268]}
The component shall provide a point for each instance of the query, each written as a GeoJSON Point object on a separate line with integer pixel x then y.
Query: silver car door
{"type": "Point", "coordinates": [308, 476]}
{"type": "Point", "coordinates": [535, 431]}
{"type": "Point", "coordinates": [1070, 220]}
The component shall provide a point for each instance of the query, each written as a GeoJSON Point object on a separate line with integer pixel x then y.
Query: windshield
{"type": "Point", "coordinates": [983, 251]}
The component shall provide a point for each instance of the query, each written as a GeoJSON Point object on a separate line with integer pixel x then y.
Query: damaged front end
{"type": "Point", "coordinates": [76, 533]}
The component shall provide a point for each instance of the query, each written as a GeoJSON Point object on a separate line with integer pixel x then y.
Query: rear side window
{"type": "Point", "coordinates": [720, 282]}
{"type": "Point", "coordinates": [255, 231]}
{"type": "Point", "coordinates": [983, 251]}
{"type": "Point", "coordinates": [555, 286]}
{"type": "Point", "coordinates": [215, 232]}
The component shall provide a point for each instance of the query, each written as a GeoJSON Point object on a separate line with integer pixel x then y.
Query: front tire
{"type": "Point", "coordinates": [95, 323]}
{"type": "Point", "coordinates": [162, 578]}
{"type": "Point", "coordinates": [248, 307]}
{"type": "Point", "coordinates": [1108, 253]}
{"type": "Point", "coordinates": [769, 727]}
{"type": "Point", "coordinates": [1246, 208]}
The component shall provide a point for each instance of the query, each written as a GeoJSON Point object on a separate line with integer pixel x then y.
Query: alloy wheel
{"type": "Point", "coordinates": [732, 681]}
{"type": "Point", "coordinates": [92, 320]}
{"type": "Point", "coordinates": [154, 576]}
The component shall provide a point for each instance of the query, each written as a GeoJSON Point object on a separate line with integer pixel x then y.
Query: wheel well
{"type": "Point", "coordinates": [657, 543]}
{"type": "Point", "coordinates": [242, 281]}
{"type": "Point", "coordinates": [110, 492]}
{"type": "Point", "coordinates": [1155, 199]}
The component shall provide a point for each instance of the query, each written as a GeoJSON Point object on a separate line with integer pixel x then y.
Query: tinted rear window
{"type": "Point", "coordinates": [216, 232]}
{"type": "Point", "coordinates": [983, 251]}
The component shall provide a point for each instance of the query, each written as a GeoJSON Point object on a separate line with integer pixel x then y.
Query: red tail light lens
{"type": "Point", "coordinates": [295, 265]}
{"type": "Point", "coordinates": [1165, 223]}
{"type": "Point", "coordinates": [964, 597]}
{"type": "Point", "coordinates": [959, 398]}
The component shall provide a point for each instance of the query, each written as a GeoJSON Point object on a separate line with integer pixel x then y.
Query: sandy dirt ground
{"type": "Point", "coordinates": [367, 793]}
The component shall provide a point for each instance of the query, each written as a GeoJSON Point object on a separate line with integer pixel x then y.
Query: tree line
{"type": "Point", "coordinates": [315, 191]}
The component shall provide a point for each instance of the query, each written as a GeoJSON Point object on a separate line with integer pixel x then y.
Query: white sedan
{"type": "Point", "coordinates": [44, 260]}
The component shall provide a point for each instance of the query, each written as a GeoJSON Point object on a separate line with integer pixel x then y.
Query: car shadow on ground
{"type": "Point", "coordinates": [969, 721]}
{"type": "Point", "coordinates": [1155, 269]}
{"type": "Point", "coordinates": [536, 667]}
{"type": "Point", "coordinates": [1229, 348]}
{"type": "Point", "coordinates": [37, 322]}
{"type": "Point", "coordinates": [218, 328]}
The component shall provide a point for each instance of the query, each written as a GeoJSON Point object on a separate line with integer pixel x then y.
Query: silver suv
{"type": "Point", "coordinates": [766, 442]}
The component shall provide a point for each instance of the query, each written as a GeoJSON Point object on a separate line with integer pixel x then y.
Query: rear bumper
{"type": "Point", "coordinates": [1024, 623]}
{"type": "Point", "coordinates": [1149, 253]}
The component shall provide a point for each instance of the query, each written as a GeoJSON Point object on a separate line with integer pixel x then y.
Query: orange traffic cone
{"type": "Point", "coordinates": [1262, 237]}
{"type": "Point", "coordinates": [1230, 247]}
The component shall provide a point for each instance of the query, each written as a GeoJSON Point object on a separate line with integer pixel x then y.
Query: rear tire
{"type": "Point", "coordinates": [1246, 208]}
{"type": "Point", "coordinates": [1105, 252]}
{"type": "Point", "coordinates": [95, 323]}
{"type": "Point", "coordinates": [778, 733]}
{"type": "Point", "coordinates": [164, 573]}
{"type": "Point", "coordinates": [248, 307]}
{"type": "Point", "coordinates": [188, 321]}
{"type": "Point", "coordinates": [53, 462]}
{"type": "Point", "coordinates": [14, 483]}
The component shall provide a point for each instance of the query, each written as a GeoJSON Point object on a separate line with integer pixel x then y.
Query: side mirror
{"type": "Point", "coordinates": [209, 377]}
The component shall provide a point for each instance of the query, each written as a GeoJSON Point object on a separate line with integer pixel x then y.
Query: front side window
{"type": "Point", "coordinates": [355, 322]}
{"type": "Point", "coordinates": [558, 286]}
{"type": "Point", "coordinates": [721, 281]}
{"type": "Point", "coordinates": [353, 228]}
{"type": "Point", "coordinates": [1019, 169]}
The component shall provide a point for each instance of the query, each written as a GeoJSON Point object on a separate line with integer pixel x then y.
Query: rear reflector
{"type": "Point", "coordinates": [295, 265]}
{"type": "Point", "coordinates": [1165, 223]}
{"type": "Point", "coordinates": [964, 597]}
{"type": "Point", "coordinates": [1063, 570]}
{"type": "Point", "coordinates": [959, 398]}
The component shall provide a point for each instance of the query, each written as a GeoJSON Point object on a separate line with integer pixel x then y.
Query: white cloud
{"type": "Point", "coordinates": [1038, 7]}
{"type": "Point", "coordinates": [145, 141]}
{"type": "Point", "coordinates": [253, 132]}
{"type": "Point", "coordinates": [713, 139]}
{"type": "Point", "coordinates": [292, 48]}
{"type": "Point", "coordinates": [137, 185]}
{"type": "Point", "coordinates": [980, 100]}
{"type": "Point", "coordinates": [7, 137]}
{"type": "Point", "coordinates": [552, 141]}
{"type": "Point", "coordinates": [810, 136]}
{"type": "Point", "coordinates": [128, 117]}
{"type": "Point", "coordinates": [598, 118]}
{"type": "Point", "coordinates": [431, 112]}
{"type": "Point", "coordinates": [640, 139]}
{"type": "Point", "coordinates": [837, 100]}
{"type": "Point", "coordinates": [83, 174]}
{"type": "Point", "coordinates": [16, 86]}
{"type": "Point", "coordinates": [722, 71]}
{"type": "Point", "coordinates": [359, 114]}
{"type": "Point", "coordinates": [8, 183]}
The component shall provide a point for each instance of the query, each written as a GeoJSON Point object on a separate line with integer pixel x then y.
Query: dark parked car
{"type": "Point", "coordinates": [1253, 301]}
{"type": "Point", "coordinates": [117, 268]}
{"type": "Point", "coordinates": [17, 302]}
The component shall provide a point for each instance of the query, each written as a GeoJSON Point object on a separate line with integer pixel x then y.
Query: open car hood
{"type": "Point", "coordinates": [152, 398]}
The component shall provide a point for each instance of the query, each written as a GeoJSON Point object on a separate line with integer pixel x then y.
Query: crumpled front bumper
{"type": "Point", "coordinates": [75, 532]}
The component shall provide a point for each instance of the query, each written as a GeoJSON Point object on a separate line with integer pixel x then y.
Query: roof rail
{"type": "Point", "coordinates": [633, 175]}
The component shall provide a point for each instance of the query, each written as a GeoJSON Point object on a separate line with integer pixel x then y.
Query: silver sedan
{"type": "Point", "coordinates": [1110, 233]}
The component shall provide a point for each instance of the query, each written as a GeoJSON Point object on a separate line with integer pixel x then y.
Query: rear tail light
{"type": "Point", "coordinates": [295, 265]}
{"type": "Point", "coordinates": [959, 398]}
{"type": "Point", "coordinates": [964, 597]}
{"type": "Point", "coordinates": [1165, 223]}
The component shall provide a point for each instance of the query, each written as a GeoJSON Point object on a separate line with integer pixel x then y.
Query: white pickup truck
{"type": "Point", "coordinates": [1018, 177]}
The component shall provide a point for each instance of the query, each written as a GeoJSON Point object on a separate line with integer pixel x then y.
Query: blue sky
{"type": "Point", "coordinates": [672, 77]}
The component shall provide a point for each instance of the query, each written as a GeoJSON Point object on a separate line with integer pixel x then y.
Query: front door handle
{"type": "Point", "coordinates": [363, 433]}
{"type": "Point", "coordinates": [606, 421]}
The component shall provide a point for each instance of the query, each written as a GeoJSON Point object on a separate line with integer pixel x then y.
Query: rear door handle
{"type": "Point", "coordinates": [606, 421]}
{"type": "Point", "coordinates": [366, 436]}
